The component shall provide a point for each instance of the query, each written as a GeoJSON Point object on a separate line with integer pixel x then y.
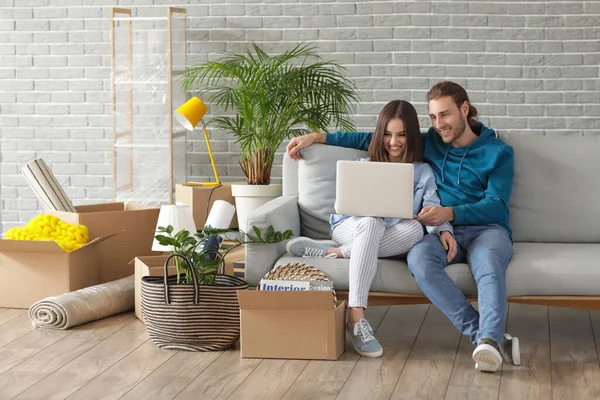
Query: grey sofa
{"type": "Point", "coordinates": [555, 217]}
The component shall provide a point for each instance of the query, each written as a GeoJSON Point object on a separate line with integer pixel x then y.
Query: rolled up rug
{"type": "Point", "coordinates": [84, 305]}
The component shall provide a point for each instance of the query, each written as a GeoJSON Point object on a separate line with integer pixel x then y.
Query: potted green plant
{"type": "Point", "coordinates": [270, 99]}
{"type": "Point", "coordinates": [207, 263]}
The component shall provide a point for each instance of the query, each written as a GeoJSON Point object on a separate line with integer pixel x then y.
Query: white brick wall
{"type": "Point", "coordinates": [530, 67]}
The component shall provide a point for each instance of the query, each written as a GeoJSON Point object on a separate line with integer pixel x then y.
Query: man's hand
{"type": "Point", "coordinates": [435, 215]}
{"type": "Point", "coordinates": [301, 142]}
{"type": "Point", "coordinates": [449, 244]}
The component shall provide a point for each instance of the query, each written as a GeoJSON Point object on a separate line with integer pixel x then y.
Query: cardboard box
{"type": "Point", "coordinates": [292, 325]}
{"type": "Point", "coordinates": [139, 225]}
{"type": "Point", "coordinates": [148, 266]}
{"type": "Point", "coordinates": [33, 270]}
{"type": "Point", "coordinates": [239, 269]}
{"type": "Point", "coordinates": [198, 197]}
{"type": "Point", "coordinates": [234, 256]}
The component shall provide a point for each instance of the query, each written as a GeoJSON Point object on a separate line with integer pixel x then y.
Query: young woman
{"type": "Point", "coordinates": [363, 240]}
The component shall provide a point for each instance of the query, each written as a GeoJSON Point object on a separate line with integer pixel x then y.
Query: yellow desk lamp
{"type": "Point", "coordinates": [188, 115]}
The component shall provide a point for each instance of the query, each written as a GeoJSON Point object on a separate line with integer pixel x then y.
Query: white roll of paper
{"type": "Point", "coordinates": [220, 215]}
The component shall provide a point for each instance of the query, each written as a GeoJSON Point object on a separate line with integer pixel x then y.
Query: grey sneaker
{"type": "Point", "coordinates": [306, 247]}
{"type": "Point", "coordinates": [511, 351]}
{"type": "Point", "coordinates": [363, 340]}
{"type": "Point", "coordinates": [487, 355]}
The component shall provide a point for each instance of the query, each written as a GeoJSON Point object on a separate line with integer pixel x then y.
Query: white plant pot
{"type": "Point", "coordinates": [249, 197]}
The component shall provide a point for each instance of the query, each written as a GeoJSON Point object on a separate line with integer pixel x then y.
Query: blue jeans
{"type": "Point", "coordinates": [487, 249]}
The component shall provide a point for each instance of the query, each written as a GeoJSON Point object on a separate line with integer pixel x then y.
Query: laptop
{"type": "Point", "coordinates": [374, 189]}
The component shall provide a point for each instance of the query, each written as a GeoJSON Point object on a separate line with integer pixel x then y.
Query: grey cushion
{"type": "Point", "coordinates": [556, 190]}
{"type": "Point", "coordinates": [536, 269]}
{"type": "Point", "coordinates": [554, 269]}
{"type": "Point", "coordinates": [392, 275]}
{"type": "Point", "coordinates": [316, 186]}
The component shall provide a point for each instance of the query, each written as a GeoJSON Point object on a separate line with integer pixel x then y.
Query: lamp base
{"type": "Point", "coordinates": [209, 184]}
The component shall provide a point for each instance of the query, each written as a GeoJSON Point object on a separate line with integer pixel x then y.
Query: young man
{"type": "Point", "coordinates": [474, 173]}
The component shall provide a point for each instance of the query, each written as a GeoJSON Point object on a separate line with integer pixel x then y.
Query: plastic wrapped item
{"type": "Point", "coordinates": [150, 147]}
{"type": "Point", "coordinates": [46, 187]}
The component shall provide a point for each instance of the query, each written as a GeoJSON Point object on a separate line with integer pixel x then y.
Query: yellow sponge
{"type": "Point", "coordinates": [48, 227]}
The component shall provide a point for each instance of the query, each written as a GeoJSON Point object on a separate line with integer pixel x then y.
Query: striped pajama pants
{"type": "Point", "coordinates": [363, 240]}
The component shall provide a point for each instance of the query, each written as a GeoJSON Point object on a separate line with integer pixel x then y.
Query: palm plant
{"type": "Point", "coordinates": [274, 98]}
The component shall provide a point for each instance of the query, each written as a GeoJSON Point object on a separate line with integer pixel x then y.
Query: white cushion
{"type": "Point", "coordinates": [316, 186]}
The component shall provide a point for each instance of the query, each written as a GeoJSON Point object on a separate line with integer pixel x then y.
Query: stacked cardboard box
{"type": "Point", "coordinates": [233, 258]}
{"type": "Point", "coordinates": [201, 199]}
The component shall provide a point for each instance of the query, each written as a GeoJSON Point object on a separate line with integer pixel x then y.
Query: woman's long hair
{"type": "Point", "coordinates": [402, 109]}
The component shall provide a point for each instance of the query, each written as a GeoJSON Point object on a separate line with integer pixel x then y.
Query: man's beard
{"type": "Point", "coordinates": [460, 129]}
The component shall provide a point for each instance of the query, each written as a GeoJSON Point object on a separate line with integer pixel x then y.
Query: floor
{"type": "Point", "coordinates": [424, 358]}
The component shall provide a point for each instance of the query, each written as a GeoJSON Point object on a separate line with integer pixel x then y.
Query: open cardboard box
{"type": "Point", "coordinates": [138, 222]}
{"type": "Point", "coordinates": [198, 197]}
{"type": "Point", "coordinates": [33, 270]}
{"type": "Point", "coordinates": [291, 325]}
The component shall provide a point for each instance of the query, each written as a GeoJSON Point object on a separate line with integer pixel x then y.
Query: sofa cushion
{"type": "Point", "coordinates": [536, 269]}
{"type": "Point", "coordinates": [316, 186]}
{"type": "Point", "coordinates": [556, 189]}
{"type": "Point", "coordinates": [392, 275]}
{"type": "Point", "coordinates": [545, 269]}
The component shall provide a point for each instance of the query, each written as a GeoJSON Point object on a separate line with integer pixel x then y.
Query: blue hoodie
{"type": "Point", "coordinates": [475, 180]}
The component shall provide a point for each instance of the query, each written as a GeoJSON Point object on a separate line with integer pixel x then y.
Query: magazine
{"type": "Point", "coordinates": [276, 284]}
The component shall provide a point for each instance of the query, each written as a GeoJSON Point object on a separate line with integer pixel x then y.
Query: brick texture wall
{"type": "Point", "coordinates": [529, 67]}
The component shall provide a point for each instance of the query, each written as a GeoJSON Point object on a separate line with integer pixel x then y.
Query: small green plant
{"type": "Point", "coordinates": [205, 263]}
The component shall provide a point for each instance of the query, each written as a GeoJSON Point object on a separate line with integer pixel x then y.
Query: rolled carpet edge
{"type": "Point", "coordinates": [84, 305]}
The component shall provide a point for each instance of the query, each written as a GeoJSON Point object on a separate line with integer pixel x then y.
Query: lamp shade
{"type": "Point", "coordinates": [178, 216]}
{"type": "Point", "coordinates": [220, 215]}
{"type": "Point", "coordinates": [190, 113]}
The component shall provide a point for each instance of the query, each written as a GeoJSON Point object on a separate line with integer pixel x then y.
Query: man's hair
{"type": "Point", "coordinates": [458, 94]}
{"type": "Point", "coordinates": [413, 151]}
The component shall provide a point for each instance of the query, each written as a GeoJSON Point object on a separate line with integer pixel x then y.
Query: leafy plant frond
{"type": "Point", "coordinates": [274, 98]}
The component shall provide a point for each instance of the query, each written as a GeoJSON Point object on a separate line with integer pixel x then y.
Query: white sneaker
{"type": "Point", "coordinates": [306, 247]}
{"type": "Point", "coordinates": [487, 355]}
{"type": "Point", "coordinates": [511, 350]}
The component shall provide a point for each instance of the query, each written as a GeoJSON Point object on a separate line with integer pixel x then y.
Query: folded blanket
{"type": "Point", "coordinates": [84, 305]}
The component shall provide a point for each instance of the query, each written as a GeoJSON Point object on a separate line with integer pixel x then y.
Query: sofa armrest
{"type": "Point", "coordinates": [283, 214]}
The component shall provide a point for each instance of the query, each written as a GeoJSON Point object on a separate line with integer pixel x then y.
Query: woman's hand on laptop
{"type": "Point", "coordinates": [298, 143]}
{"type": "Point", "coordinates": [435, 215]}
{"type": "Point", "coordinates": [449, 244]}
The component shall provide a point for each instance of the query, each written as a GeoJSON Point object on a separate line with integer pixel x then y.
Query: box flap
{"type": "Point", "coordinates": [285, 300]}
{"type": "Point", "coordinates": [98, 240]}
{"type": "Point", "coordinates": [31, 246]}
{"type": "Point", "coordinates": [136, 206]}
{"type": "Point", "coordinates": [107, 207]}
{"type": "Point", "coordinates": [152, 261]}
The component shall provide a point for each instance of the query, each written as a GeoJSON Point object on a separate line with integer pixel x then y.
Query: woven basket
{"type": "Point", "coordinates": [191, 317]}
{"type": "Point", "coordinates": [299, 272]}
